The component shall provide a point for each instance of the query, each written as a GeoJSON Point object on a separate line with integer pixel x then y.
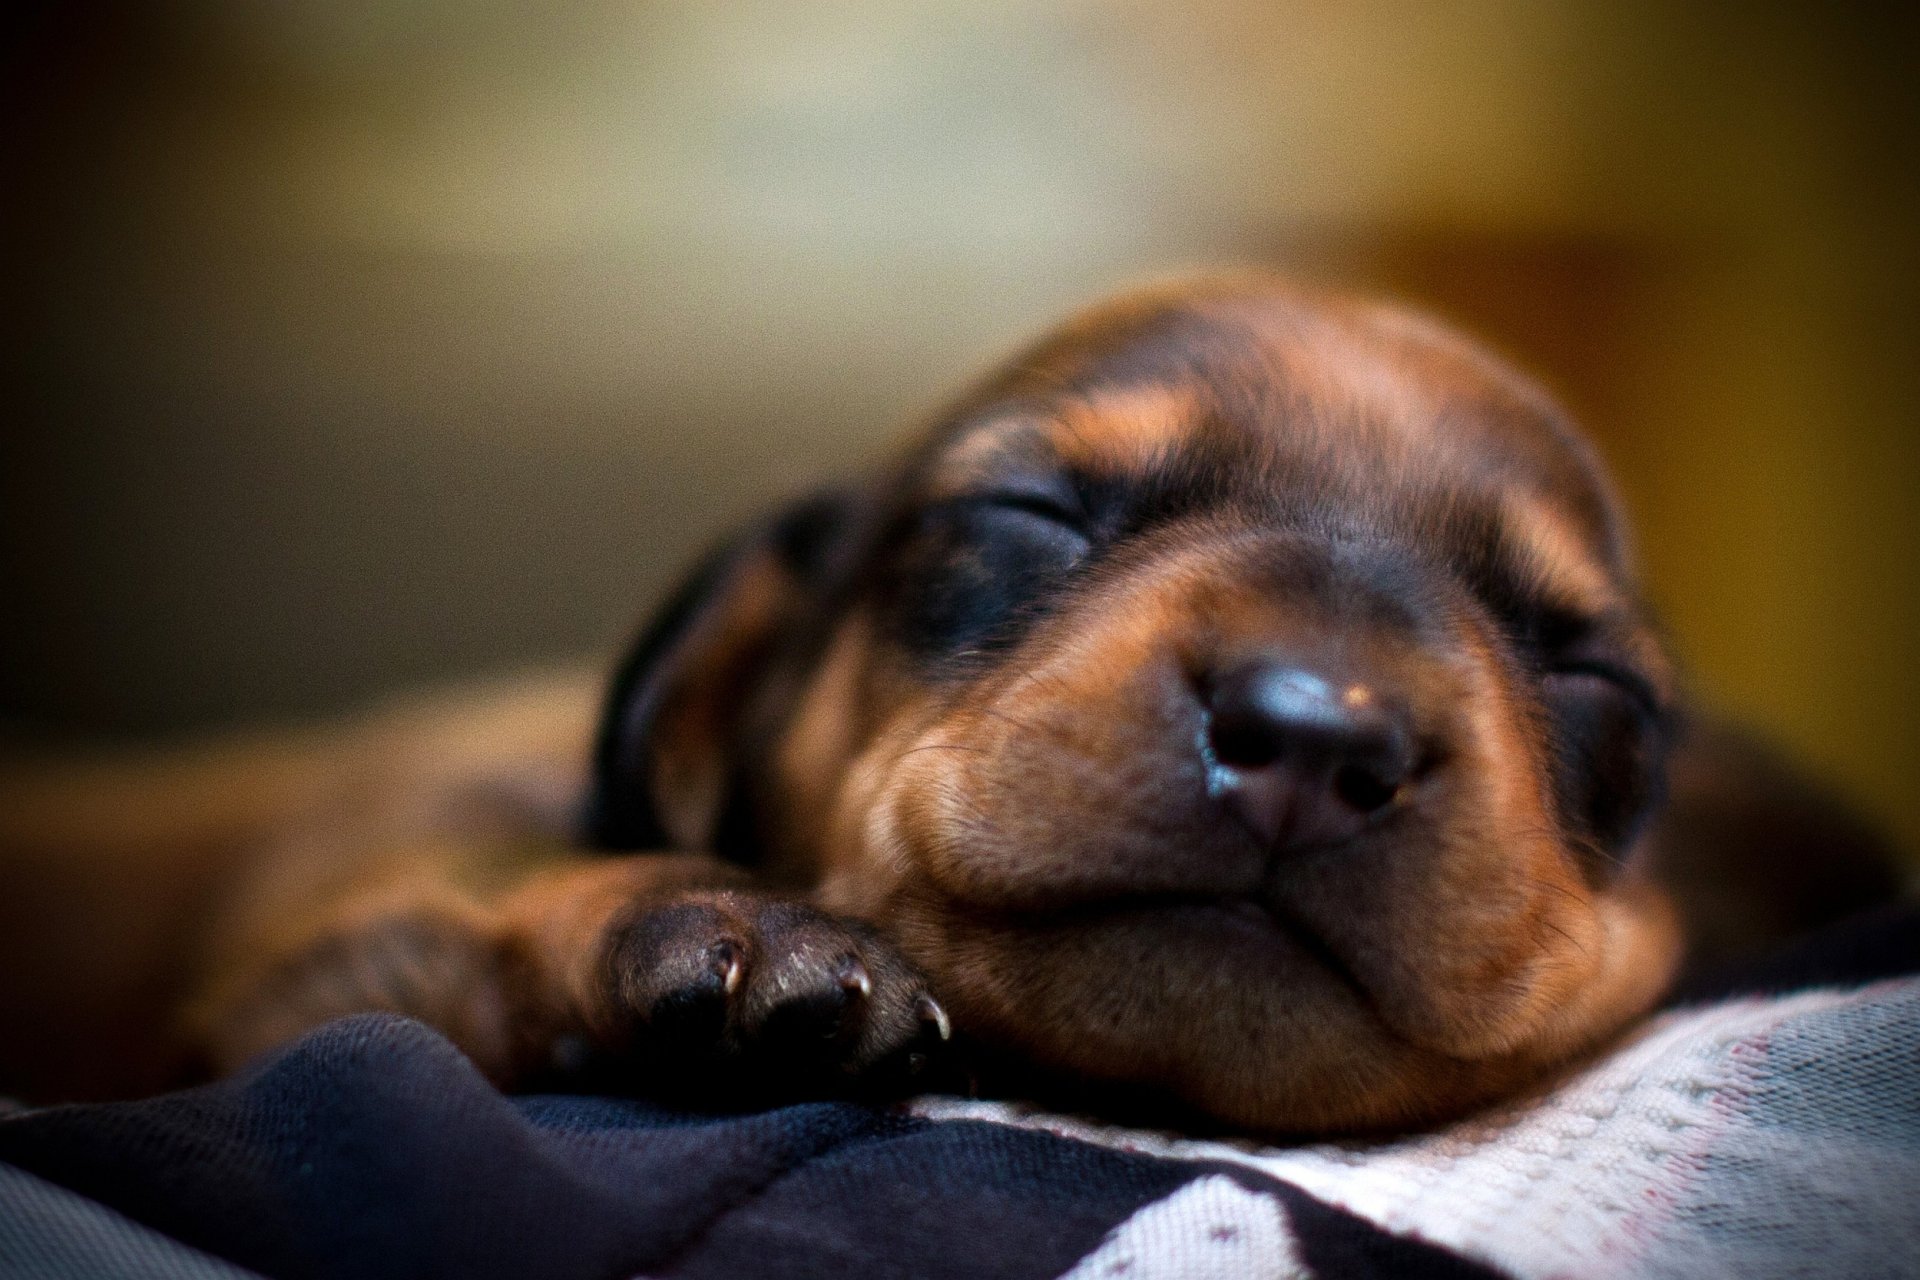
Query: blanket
{"type": "Point", "coordinates": [1766, 1125]}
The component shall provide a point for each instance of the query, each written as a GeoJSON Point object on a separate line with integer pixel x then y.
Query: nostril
{"type": "Point", "coordinates": [1363, 789]}
{"type": "Point", "coordinates": [1300, 761]}
{"type": "Point", "coordinates": [1244, 742]}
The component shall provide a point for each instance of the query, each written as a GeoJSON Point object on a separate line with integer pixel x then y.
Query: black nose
{"type": "Point", "coordinates": [1300, 759]}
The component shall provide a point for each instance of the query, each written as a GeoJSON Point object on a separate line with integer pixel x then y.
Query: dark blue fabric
{"type": "Point", "coordinates": [372, 1148]}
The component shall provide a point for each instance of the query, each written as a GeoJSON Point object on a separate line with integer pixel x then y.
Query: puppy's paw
{"type": "Point", "coordinates": [755, 997]}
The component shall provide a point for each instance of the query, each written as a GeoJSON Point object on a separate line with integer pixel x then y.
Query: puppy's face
{"type": "Point", "coordinates": [1240, 697]}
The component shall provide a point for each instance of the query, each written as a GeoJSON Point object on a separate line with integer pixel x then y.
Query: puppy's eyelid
{"type": "Point", "coordinates": [1614, 673]}
{"type": "Point", "coordinates": [1569, 641]}
{"type": "Point", "coordinates": [1061, 505]}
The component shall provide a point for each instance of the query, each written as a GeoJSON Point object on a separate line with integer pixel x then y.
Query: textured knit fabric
{"type": "Point", "coordinates": [1775, 1137]}
{"type": "Point", "coordinates": [1770, 1133]}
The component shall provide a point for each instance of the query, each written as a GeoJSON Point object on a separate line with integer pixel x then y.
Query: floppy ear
{"type": "Point", "coordinates": [668, 758]}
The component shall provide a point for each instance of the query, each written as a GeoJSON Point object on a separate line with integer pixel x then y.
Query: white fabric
{"type": "Point", "coordinates": [1210, 1229]}
{"type": "Point", "coordinates": [1755, 1138]}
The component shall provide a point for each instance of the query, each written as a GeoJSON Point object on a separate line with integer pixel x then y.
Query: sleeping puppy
{"type": "Point", "coordinates": [1240, 701]}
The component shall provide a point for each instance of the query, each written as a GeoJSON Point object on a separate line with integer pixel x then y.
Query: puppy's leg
{"type": "Point", "coordinates": [650, 972]}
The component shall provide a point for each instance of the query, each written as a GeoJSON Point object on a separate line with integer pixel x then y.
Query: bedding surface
{"type": "Point", "coordinates": [1767, 1125]}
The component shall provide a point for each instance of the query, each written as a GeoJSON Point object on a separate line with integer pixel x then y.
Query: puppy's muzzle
{"type": "Point", "coordinates": [1299, 759]}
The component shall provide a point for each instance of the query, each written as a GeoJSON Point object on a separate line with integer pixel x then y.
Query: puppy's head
{"type": "Point", "coordinates": [1241, 696]}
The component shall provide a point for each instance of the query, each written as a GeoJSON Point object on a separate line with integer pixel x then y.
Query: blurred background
{"type": "Point", "coordinates": [360, 344]}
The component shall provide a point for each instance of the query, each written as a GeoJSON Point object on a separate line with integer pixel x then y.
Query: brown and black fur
{"type": "Point", "coordinates": [944, 749]}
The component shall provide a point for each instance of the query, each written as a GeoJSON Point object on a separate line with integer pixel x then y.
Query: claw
{"type": "Point", "coordinates": [853, 976]}
{"type": "Point", "coordinates": [930, 1011]}
{"type": "Point", "coordinates": [725, 958]}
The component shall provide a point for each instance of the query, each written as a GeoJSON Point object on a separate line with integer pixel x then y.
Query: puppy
{"type": "Point", "coordinates": [1240, 702]}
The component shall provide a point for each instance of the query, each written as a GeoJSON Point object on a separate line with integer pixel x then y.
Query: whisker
{"type": "Point", "coordinates": [1584, 845]}
{"type": "Point", "coordinates": [941, 746]}
{"type": "Point", "coordinates": [1576, 944]}
{"type": "Point", "coordinates": [1570, 892]}
{"type": "Point", "coordinates": [1015, 721]}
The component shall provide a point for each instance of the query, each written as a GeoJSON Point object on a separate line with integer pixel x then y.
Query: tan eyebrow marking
{"type": "Point", "coordinates": [989, 449]}
{"type": "Point", "coordinates": [1127, 429]}
{"type": "Point", "coordinates": [1111, 431]}
{"type": "Point", "coordinates": [1554, 545]}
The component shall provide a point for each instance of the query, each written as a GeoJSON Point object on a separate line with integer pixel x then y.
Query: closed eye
{"type": "Point", "coordinates": [1613, 673]}
{"type": "Point", "coordinates": [1049, 533]}
{"type": "Point", "coordinates": [1575, 645]}
{"type": "Point", "coordinates": [1059, 509]}
{"type": "Point", "coordinates": [976, 570]}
